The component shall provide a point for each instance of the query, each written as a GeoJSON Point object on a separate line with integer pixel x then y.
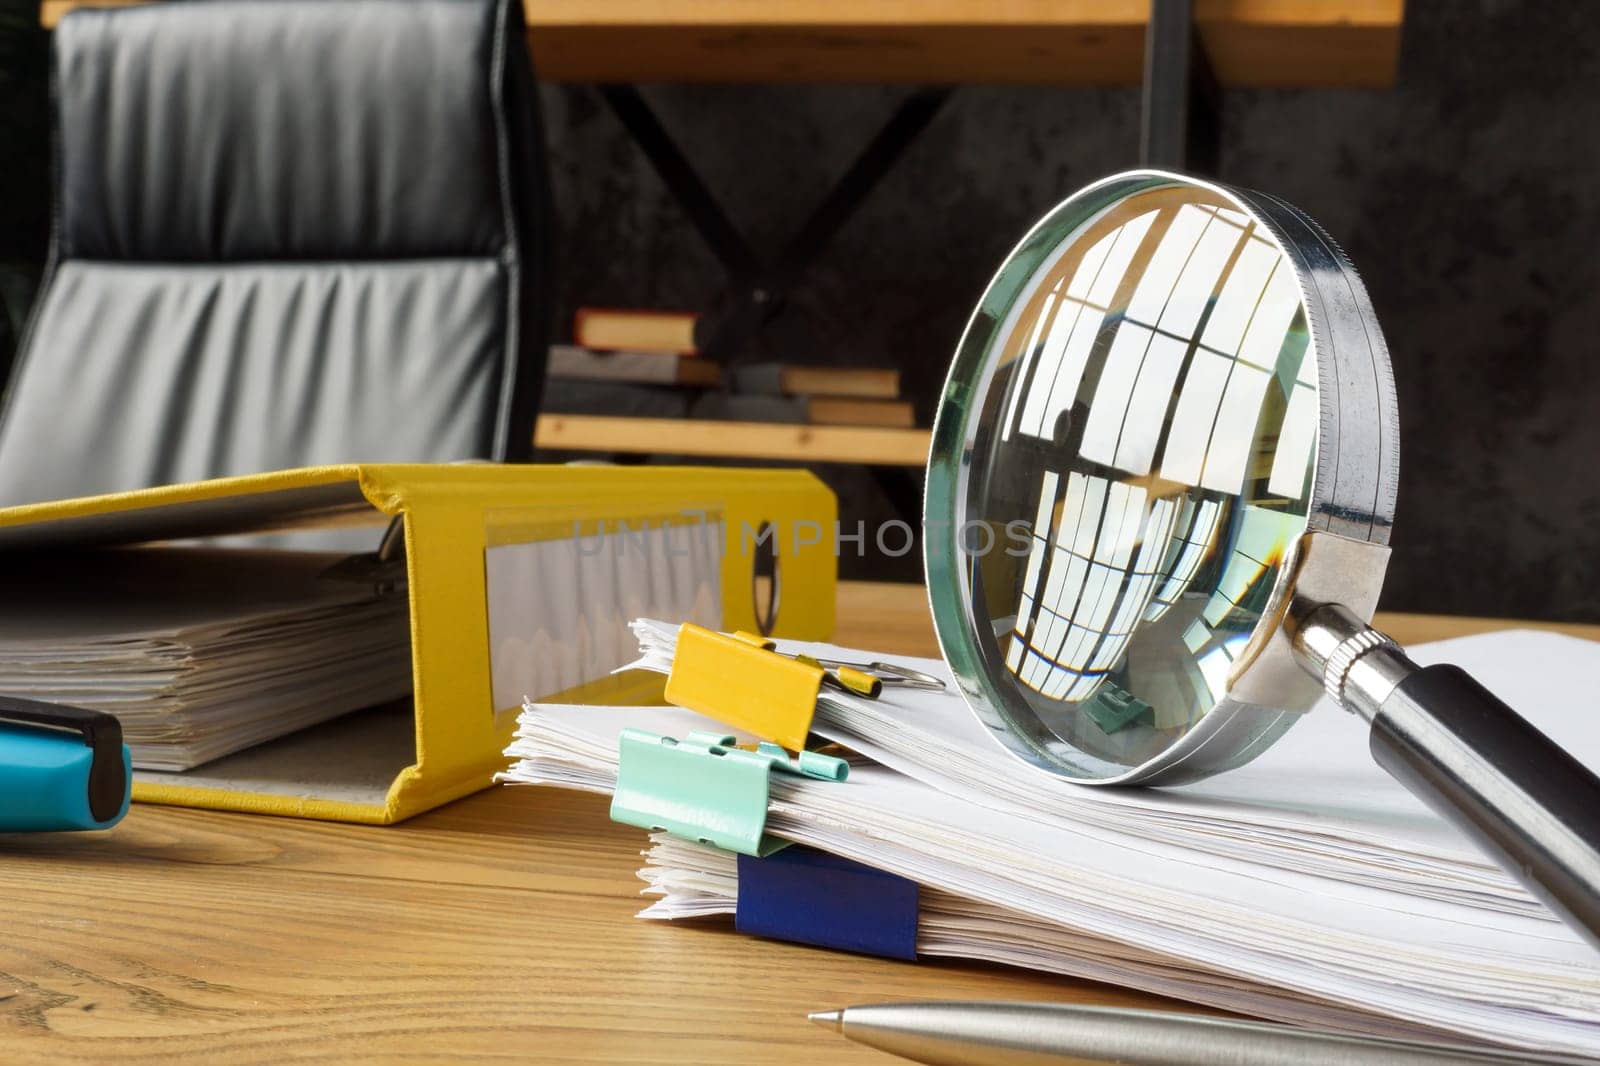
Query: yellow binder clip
{"type": "Point", "coordinates": [742, 681]}
{"type": "Point", "coordinates": [744, 685]}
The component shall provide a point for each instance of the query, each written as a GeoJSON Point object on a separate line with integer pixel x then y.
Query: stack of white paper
{"type": "Point", "coordinates": [1317, 803]}
{"type": "Point", "coordinates": [203, 656]}
{"type": "Point", "coordinates": [1305, 887]}
{"type": "Point", "coordinates": [697, 881]}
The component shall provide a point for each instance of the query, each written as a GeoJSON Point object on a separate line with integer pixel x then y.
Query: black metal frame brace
{"type": "Point", "coordinates": [1179, 130]}
{"type": "Point", "coordinates": [1180, 126]}
{"type": "Point", "coordinates": [757, 287]}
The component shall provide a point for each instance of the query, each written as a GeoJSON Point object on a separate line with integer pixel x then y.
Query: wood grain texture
{"type": "Point", "coordinates": [1078, 42]}
{"type": "Point", "coordinates": [496, 928]}
{"type": "Point", "coordinates": [747, 440]}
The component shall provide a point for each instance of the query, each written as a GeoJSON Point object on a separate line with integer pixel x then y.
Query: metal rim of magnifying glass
{"type": "Point", "coordinates": [1354, 481]}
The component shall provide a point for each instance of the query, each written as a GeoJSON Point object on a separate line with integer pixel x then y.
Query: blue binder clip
{"type": "Point", "coordinates": [703, 788]}
{"type": "Point", "coordinates": [61, 768]}
{"type": "Point", "coordinates": [811, 897]}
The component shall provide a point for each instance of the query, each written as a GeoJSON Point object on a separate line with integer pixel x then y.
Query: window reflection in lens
{"type": "Point", "coordinates": [1155, 417]}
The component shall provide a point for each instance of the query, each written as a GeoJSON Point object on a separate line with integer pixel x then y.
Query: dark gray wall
{"type": "Point", "coordinates": [1469, 196]}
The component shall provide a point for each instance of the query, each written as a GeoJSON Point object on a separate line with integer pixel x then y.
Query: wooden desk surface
{"type": "Point", "coordinates": [1063, 42]}
{"type": "Point", "coordinates": [498, 928]}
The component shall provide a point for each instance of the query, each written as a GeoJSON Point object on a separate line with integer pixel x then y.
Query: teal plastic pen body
{"type": "Point", "coordinates": [44, 781]}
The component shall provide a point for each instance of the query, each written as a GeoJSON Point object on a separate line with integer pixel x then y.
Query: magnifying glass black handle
{"type": "Point", "coordinates": [1455, 745]}
{"type": "Point", "coordinates": [1525, 800]}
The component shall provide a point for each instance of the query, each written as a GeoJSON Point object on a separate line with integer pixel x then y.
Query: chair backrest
{"type": "Point", "coordinates": [286, 233]}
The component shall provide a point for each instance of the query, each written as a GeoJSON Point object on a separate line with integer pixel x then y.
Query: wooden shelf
{"type": "Point", "coordinates": [871, 445]}
{"type": "Point", "coordinates": [1287, 43]}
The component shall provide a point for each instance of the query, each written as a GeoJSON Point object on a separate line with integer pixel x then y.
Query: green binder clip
{"type": "Point", "coordinates": [703, 788]}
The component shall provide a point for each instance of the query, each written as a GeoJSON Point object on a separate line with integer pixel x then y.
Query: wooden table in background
{"type": "Point", "coordinates": [498, 927]}
{"type": "Point", "coordinates": [870, 445]}
{"type": "Point", "coordinates": [1287, 43]}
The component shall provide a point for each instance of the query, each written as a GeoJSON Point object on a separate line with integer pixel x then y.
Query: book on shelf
{"type": "Point", "coordinates": [567, 396]}
{"type": "Point", "coordinates": [805, 410]}
{"type": "Point", "coordinates": [781, 379]}
{"type": "Point", "coordinates": [628, 330]}
{"type": "Point", "coordinates": [574, 362]}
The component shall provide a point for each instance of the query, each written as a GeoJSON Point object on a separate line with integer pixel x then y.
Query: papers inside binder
{"type": "Point", "coordinates": [201, 652]}
{"type": "Point", "coordinates": [563, 592]}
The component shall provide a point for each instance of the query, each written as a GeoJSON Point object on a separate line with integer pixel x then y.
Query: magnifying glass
{"type": "Point", "coordinates": [1158, 507]}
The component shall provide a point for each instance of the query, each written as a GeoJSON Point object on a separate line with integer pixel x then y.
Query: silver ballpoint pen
{"type": "Point", "coordinates": [1049, 1034]}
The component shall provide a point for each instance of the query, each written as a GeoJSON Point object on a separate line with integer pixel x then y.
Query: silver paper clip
{"type": "Point", "coordinates": [864, 679]}
{"type": "Point", "coordinates": [891, 674]}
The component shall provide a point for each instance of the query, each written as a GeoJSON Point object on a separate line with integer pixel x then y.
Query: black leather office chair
{"type": "Point", "coordinates": [287, 232]}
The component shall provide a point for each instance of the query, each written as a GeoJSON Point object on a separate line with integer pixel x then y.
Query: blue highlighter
{"type": "Point", "coordinates": [61, 768]}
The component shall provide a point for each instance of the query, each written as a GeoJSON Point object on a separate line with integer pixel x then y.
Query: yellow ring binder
{"type": "Point", "coordinates": [448, 743]}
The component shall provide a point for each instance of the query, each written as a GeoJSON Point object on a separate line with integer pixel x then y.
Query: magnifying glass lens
{"type": "Point", "coordinates": [1141, 440]}
{"type": "Point", "coordinates": [1158, 503]}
